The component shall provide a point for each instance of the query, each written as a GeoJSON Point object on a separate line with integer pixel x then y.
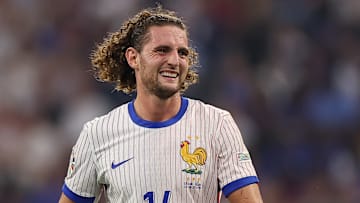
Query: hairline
{"type": "Point", "coordinates": [147, 35]}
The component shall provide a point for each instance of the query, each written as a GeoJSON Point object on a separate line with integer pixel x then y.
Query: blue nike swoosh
{"type": "Point", "coordinates": [113, 166]}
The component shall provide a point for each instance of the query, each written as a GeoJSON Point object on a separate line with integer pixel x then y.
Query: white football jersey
{"type": "Point", "coordinates": [188, 158]}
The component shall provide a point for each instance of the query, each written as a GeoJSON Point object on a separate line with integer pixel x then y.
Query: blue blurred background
{"type": "Point", "coordinates": [288, 70]}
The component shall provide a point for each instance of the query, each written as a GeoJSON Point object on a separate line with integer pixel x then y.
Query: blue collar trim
{"type": "Point", "coordinates": [151, 124]}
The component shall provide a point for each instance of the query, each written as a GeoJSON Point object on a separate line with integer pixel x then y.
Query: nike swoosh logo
{"type": "Point", "coordinates": [114, 166]}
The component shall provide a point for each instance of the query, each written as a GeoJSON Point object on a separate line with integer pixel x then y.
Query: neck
{"type": "Point", "coordinates": [152, 108]}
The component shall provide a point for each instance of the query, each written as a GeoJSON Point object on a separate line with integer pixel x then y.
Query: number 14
{"type": "Point", "coordinates": [150, 196]}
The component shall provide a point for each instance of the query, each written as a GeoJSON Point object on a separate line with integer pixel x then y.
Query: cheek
{"type": "Point", "coordinates": [184, 63]}
{"type": "Point", "coordinates": [185, 71]}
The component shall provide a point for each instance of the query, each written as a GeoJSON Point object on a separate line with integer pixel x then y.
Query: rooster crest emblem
{"type": "Point", "coordinates": [194, 160]}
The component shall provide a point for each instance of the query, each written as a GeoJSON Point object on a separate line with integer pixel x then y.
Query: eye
{"type": "Point", "coordinates": [162, 50]}
{"type": "Point", "coordinates": [183, 52]}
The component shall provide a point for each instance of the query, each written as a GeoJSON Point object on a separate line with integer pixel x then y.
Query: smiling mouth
{"type": "Point", "coordinates": [169, 74]}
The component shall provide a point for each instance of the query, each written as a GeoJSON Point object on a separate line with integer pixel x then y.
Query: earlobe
{"type": "Point", "coordinates": [131, 57]}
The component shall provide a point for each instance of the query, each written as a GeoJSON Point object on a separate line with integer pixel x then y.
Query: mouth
{"type": "Point", "coordinates": [169, 74]}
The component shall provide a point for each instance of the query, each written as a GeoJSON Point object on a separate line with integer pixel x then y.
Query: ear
{"type": "Point", "coordinates": [132, 55]}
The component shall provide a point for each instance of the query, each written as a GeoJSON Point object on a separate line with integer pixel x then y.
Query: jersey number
{"type": "Point", "coordinates": [150, 196]}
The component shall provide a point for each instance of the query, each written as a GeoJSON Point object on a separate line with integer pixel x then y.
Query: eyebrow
{"type": "Point", "coordinates": [169, 47]}
{"type": "Point", "coordinates": [162, 47]}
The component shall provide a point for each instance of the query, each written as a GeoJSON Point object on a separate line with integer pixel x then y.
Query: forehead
{"type": "Point", "coordinates": [169, 35]}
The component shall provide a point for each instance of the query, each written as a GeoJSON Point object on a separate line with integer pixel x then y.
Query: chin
{"type": "Point", "coordinates": [165, 93]}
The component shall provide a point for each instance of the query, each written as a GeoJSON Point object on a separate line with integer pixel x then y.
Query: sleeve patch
{"type": "Point", "coordinates": [241, 157]}
{"type": "Point", "coordinates": [71, 168]}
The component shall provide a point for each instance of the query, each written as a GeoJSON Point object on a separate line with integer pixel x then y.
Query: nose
{"type": "Point", "coordinates": [174, 59]}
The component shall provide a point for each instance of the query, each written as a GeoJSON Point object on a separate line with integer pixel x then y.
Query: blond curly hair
{"type": "Point", "coordinates": [108, 58]}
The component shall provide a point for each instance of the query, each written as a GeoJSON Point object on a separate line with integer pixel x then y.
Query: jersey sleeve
{"type": "Point", "coordinates": [234, 162]}
{"type": "Point", "coordinates": [80, 182]}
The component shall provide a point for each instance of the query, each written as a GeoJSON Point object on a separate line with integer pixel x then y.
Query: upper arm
{"type": "Point", "coordinates": [247, 194]}
{"type": "Point", "coordinates": [237, 176]}
{"type": "Point", "coordinates": [235, 166]}
{"type": "Point", "coordinates": [65, 199]}
{"type": "Point", "coordinates": [80, 183]}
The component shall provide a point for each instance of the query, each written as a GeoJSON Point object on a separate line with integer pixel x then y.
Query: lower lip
{"type": "Point", "coordinates": [169, 79]}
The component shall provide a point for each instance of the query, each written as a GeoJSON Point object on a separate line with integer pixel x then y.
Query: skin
{"type": "Point", "coordinates": [165, 51]}
{"type": "Point", "coordinates": [65, 199]}
{"type": "Point", "coordinates": [158, 97]}
{"type": "Point", "coordinates": [248, 194]}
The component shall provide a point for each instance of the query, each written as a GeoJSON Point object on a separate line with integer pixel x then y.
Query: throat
{"type": "Point", "coordinates": [157, 110]}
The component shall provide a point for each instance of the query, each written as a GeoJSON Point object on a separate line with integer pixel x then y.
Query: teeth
{"type": "Point", "coordinates": [169, 74]}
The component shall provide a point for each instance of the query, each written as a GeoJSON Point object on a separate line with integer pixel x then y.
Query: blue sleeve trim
{"type": "Point", "coordinates": [75, 197]}
{"type": "Point", "coordinates": [237, 184]}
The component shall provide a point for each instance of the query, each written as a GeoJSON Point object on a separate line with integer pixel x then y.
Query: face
{"type": "Point", "coordinates": [162, 64]}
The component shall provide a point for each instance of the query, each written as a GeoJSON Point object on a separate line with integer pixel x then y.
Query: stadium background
{"type": "Point", "coordinates": [288, 70]}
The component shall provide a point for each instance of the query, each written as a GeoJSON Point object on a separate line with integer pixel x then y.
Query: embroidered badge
{"type": "Point", "coordinates": [194, 160]}
{"type": "Point", "coordinates": [71, 168]}
{"type": "Point", "coordinates": [243, 156]}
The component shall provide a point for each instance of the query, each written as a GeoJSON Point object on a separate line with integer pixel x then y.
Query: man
{"type": "Point", "coordinates": [160, 147]}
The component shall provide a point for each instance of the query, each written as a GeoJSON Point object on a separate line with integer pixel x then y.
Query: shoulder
{"type": "Point", "coordinates": [110, 117]}
{"type": "Point", "coordinates": [207, 109]}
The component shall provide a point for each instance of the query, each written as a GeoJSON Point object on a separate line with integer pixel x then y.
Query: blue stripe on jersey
{"type": "Point", "coordinates": [75, 197]}
{"type": "Point", "coordinates": [237, 184]}
{"type": "Point", "coordinates": [150, 124]}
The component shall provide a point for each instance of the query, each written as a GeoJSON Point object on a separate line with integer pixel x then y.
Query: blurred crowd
{"type": "Point", "coordinates": [288, 70]}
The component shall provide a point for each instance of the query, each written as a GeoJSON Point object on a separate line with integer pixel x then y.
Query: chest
{"type": "Point", "coordinates": [135, 161]}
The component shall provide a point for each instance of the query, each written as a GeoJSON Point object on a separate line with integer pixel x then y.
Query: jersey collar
{"type": "Point", "coordinates": [150, 124]}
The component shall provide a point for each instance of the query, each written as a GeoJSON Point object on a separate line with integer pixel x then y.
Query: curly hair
{"type": "Point", "coordinates": [108, 58]}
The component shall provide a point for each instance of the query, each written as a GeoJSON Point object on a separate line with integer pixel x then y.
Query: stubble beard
{"type": "Point", "coordinates": [163, 92]}
{"type": "Point", "coordinates": [156, 88]}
